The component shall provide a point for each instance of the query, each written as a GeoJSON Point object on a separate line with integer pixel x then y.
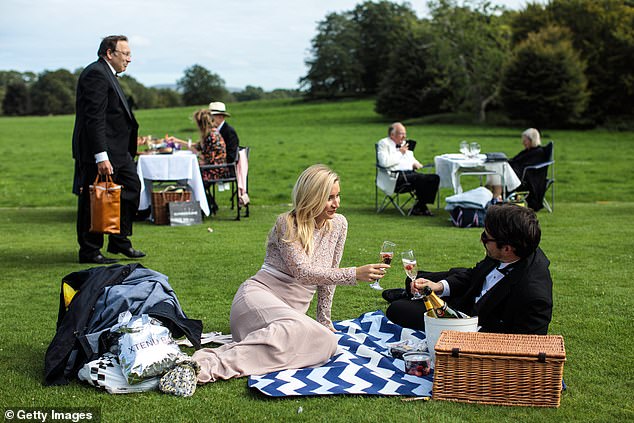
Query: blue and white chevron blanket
{"type": "Point", "coordinates": [362, 365]}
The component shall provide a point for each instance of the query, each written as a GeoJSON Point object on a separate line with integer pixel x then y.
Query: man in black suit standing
{"type": "Point", "coordinates": [219, 111]}
{"type": "Point", "coordinates": [104, 143]}
{"type": "Point", "coordinates": [510, 290]}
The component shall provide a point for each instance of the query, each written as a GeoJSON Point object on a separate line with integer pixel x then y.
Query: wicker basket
{"type": "Point", "coordinates": [160, 200]}
{"type": "Point", "coordinates": [502, 369]}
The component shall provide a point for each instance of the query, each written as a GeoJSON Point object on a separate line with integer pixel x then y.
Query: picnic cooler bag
{"type": "Point", "coordinates": [161, 200]}
{"type": "Point", "coordinates": [105, 206]}
{"type": "Point", "coordinates": [500, 369]}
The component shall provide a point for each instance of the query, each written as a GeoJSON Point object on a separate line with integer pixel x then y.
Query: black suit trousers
{"type": "Point", "coordinates": [424, 184]}
{"type": "Point", "coordinates": [124, 174]}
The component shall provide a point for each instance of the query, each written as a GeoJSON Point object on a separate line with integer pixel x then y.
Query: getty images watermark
{"type": "Point", "coordinates": [52, 414]}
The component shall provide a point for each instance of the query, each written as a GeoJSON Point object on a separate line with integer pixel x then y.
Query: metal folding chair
{"type": "Point", "coordinates": [231, 177]}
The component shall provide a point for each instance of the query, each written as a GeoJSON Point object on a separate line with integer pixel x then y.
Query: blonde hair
{"type": "Point", "coordinates": [310, 194]}
{"type": "Point", "coordinates": [205, 122]}
{"type": "Point", "coordinates": [533, 135]}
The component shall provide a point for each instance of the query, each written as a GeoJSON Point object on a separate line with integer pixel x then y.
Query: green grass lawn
{"type": "Point", "coordinates": [589, 240]}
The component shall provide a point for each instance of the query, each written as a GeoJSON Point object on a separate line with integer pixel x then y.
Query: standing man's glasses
{"type": "Point", "coordinates": [128, 55]}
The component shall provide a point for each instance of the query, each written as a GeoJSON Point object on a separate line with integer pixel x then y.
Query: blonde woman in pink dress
{"type": "Point", "coordinates": [269, 325]}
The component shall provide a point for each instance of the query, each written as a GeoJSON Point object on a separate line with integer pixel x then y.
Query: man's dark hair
{"type": "Point", "coordinates": [514, 225]}
{"type": "Point", "coordinates": [110, 43]}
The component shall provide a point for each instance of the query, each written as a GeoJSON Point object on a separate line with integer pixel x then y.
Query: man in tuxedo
{"type": "Point", "coordinates": [394, 154]}
{"type": "Point", "coordinates": [229, 135]}
{"type": "Point", "coordinates": [510, 290]}
{"type": "Point", "coordinates": [104, 143]}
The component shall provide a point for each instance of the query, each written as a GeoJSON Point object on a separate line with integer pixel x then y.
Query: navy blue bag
{"type": "Point", "coordinates": [467, 217]}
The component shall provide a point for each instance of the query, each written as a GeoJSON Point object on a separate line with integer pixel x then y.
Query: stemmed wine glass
{"type": "Point", "coordinates": [386, 255]}
{"type": "Point", "coordinates": [474, 149]}
{"type": "Point", "coordinates": [464, 148]}
{"type": "Point", "coordinates": [411, 268]}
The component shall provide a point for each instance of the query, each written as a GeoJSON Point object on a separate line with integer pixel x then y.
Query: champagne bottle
{"type": "Point", "coordinates": [440, 307]}
{"type": "Point", "coordinates": [429, 309]}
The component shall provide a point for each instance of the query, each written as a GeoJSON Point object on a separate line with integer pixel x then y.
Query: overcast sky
{"type": "Point", "coordinates": [245, 42]}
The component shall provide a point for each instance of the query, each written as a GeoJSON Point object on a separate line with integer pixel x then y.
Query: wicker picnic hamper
{"type": "Point", "coordinates": [160, 200]}
{"type": "Point", "coordinates": [502, 369]}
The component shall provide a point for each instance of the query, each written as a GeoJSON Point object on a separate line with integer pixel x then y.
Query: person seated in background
{"type": "Point", "coordinates": [394, 155]}
{"type": "Point", "coordinates": [510, 290]}
{"type": "Point", "coordinates": [229, 135]}
{"type": "Point", "coordinates": [211, 148]}
{"type": "Point", "coordinates": [532, 154]}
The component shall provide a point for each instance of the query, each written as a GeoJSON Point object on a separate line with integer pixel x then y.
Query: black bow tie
{"type": "Point", "coordinates": [505, 271]}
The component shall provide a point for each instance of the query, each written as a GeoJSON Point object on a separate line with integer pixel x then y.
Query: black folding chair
{"type": "Point", "coordinates": [231, 172]}
{"type": "Point", "coordinates": [540, 177]}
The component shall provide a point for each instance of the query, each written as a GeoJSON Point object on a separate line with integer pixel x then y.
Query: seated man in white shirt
{"type": "Point", "coordinates": [395, 155]}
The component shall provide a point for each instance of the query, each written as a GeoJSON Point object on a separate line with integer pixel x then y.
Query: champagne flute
{"type": "Point", "coordinates": [464, 148]}
{"type": "Point", "coordinates": [386, 255]}
{"type": "Point", "coordinates": [411, 268]}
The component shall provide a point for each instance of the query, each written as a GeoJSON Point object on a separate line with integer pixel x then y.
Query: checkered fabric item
{"type": "Point", "coordinates": [106, 373]}
{"type": "Point", "coordinates": [362, 365]}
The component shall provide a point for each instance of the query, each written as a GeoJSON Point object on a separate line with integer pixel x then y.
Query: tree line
{"type": "Point", "coordinates": [53, 92]}
{"type": "Point", "coordinates": [565, 63]}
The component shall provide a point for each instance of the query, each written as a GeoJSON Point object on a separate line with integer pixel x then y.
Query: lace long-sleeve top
{"type": "Point", "coordinates": [318, 272]}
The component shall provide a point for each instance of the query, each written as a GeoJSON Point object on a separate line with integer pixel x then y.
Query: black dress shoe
{"type": "Point", "coordinates": [390, 295]}
{"type": "Point", "coordinates": [421, 211]}
{"type": "Point", "coordinates": [128, 252]}
{"type": "Point", "coordinates": [98, 259]}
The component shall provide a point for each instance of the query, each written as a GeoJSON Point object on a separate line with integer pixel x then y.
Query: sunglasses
{"type": "Point", "coordinates": [485, 238]}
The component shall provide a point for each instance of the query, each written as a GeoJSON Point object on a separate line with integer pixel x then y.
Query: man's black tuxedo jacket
{"type": "Point", "coordinates": [104, 120]}
{"type": "Point", "coordinates": [521, 302]}
{"type": "Point", "coordinates": [232, 141]}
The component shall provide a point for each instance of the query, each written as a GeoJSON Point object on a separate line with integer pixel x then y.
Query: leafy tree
{"type": "Point", "coordinates": [544, 83]}
{"type": "Point", "coordinates": [351, 50]}
{"type": "Point", "coordinates": [415, 83]}
{"type": "Point", "coordinates": [16, 100]}
{"type": "Point", "coordinates": [200, 86]}
{"type": "Point", "coordinates": [283, 93]}
{"type": "Point", "coordinates": [603, 34]}
{"type": "Point", "coordinates": [12, 77]}
{"type": "Point", "coordinates": [380, 26]}
{"type": "Point", "coordinates": [472, 43]}
{"type": "Point", "coordinates": [531, 19]}
{"type": "Point", "coordinates": [249, 93]}
{"type": "Point", "coordinates": [9, 77]}
{"type": "Point", "coordinates": [167, 98]}
{"type": "Point", "coordinates": [138, 95]}
{"type": "Point", "coordinates": [333, 68]}
{"type": "Point", "coordinates": [54, 93]}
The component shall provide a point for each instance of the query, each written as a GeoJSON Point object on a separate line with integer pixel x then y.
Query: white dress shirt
{"type": "Point", "coordinates": [490, 281]}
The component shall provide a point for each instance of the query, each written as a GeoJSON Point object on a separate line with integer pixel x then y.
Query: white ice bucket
{"type": "Point", "coordinates": [433, 327]}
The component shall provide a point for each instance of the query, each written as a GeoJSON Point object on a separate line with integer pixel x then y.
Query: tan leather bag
{"type": "Point", "coordinates": [105, 206]}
